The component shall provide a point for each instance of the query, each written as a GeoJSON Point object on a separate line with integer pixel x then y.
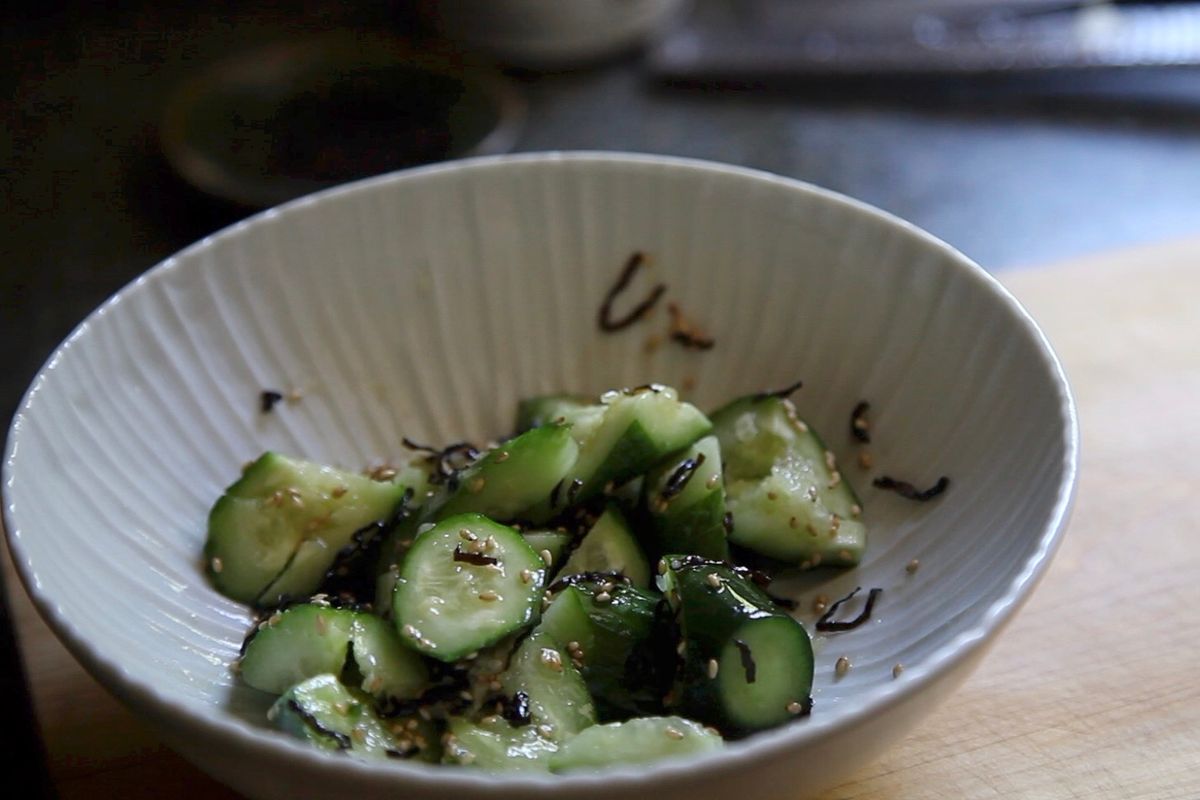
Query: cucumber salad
{"type": "Point", "coordinates": [572, 597]}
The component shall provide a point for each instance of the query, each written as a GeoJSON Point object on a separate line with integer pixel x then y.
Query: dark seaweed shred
{"type": "Point", "coordinates": [351, 577]}
{"type": "Point", "coordinates": [607, 323]}
{"type": "Point", "coordinates": [422, 448]}
{"type": "Point", "coordinates": [681, 476]}
{"type": "Point", "coordinates": [910, 492]}
{"type": "Point", "coordinates": [478, 559]}
{"type": "Point", "coordinates": [447, 462]}
{"type": "Point", "coordinates": [860, 426]}
{"type": "Point", "coordinates": [785, 603]}
{"type": "Point", "coordinates": [268, 399]}
{"type": "Point", "coordinates": [782, 394]}
{"type": "Point", "coordinates": [827, 624]}
{"type": "Point", "coordinates": [343, 741]}
{"type": "Point", "coordinates": [686, 333]}
{"type": "Point", "coordinates": [516, 710]}
{"type": "Point", "coordinates": [585, 577]}
{"type": "Point", "coordinates": [748, 665]}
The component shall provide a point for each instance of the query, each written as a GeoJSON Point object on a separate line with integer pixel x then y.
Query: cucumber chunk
{"type": "Point", "coordinates": [533, 412]}
{"type": "Point", "coordinates": [308, 640]}
{"type": "Point", "coordinates": [323, 712]}
{"type": "Point", "coordinates": [609, 546]}
{"type": "Point", "coordinates": [623, 437]}
{"type": "Point", "coordinates": [553, 542]}
{"type": "Point", "coordinates": [559, 703]}
{"type": "Point", "coordinates": [276, 531]}
{"type": "Point", "coordinates": [612, 642]}
{"type": "Point", "coordinates": [783, 489]}
{"type": "Point", "coordinates": [690, 519]}
{"type": "Point", "coordinates": [636, 741]}
{"type": "Point", "coordinates": [494, 744]}
{"type": "Point", "coordinates": [763, 669]}
{"type": "Point", "coordinates": [466, 583]}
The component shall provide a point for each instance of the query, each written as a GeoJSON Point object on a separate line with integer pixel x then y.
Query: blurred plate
{"type": "Point", "coordinates": [291, 118]}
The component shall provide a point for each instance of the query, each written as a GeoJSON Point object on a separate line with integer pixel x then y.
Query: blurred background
{"type": "Point", "coordinates": [1020, 131]}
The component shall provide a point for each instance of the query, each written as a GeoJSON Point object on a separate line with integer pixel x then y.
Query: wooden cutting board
{"type": "Point", "coordinates": [1093, 692]}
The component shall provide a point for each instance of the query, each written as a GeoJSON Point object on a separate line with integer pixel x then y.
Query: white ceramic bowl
{"type": "Point", "coordinates": [425, 303]}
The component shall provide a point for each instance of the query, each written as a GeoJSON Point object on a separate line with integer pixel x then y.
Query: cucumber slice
{"type": "Point", "coordinates": [553, 542]}
{"type": "Point", "coordinates": [627, 434]}
{"type": "Point", "coordinates": [747, 666]}
{"type": "Point", "coordinates": [533, 412]}
{"type": "Point", "coordinates": [515, 475]}
{"type": "Point", "coordinates": [323, 712]}
{"type": "Point", "coordinates": [690, 519]}
{"type": "Point", "coordinates": [559, 703]}
{"type": "Point", "coordinates": [495, 745]}
{"type": "Point", "coordinates": [466, 583]}
{"type": "Point", "coordinates": [280, 506]}
{"type": "Point", "coordinates": [611, 641]}
{"type": "Point", "coordinates": [782, 486]}
{"type": "Point", "coordinates": [609, 546]}
{"type": "Point", "coordinates": [636, 741]}
{"type": "Point", "coordinates": [308, 640]}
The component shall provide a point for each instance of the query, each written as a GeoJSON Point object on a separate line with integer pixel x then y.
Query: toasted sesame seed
{"type": "Point", "coordinates": [816, 559]}
{"type": "Point", "coordinates": [713, 668]}
{"type": "Point", "coordinates": [342, 708]}
{"type": "Point", "coordinates": [830, 460]}
{"type": "Point", "coordinates": [896, 670]}
{"type": "Point", "coordinates": [844, 555]}
{"type": "Point", "coordinates": [375, 685]}
{"type": "Point", "coordinates": [216, 565]}
{"type": "Point", "coordinates": [794, 707]}
{"type": "Point", "coordinates": [835, 479]}
{"type": "Point", "coordinates": [476, 485]}
{"type": "Point", "coordinates": [545, 730]}
{"type": "Point", "coordinates": [338, 491]}
{"type": "Point", "coordinates": [495, 685]}
{"type": "Point", "coordinates": [841, 666]}
{"type": "Point", "coordinates": [547, 557]}
{"type": "Point", "coordinates": [383, 473]}
{"type": "Point", "coordinates": [714, 580]}
{"type": "Point", "coordinates": [866, 460]}
{"type": "Point", "coordinates": [912, 566]}
{"type": "Point", "coordinates": [607, 586]}
{"type": "Point", "coordinates": [856, 510]}
{"type": "Point", "coordinates": [272, 713]}
{"type": "Point", "coordinates": [712, 481]}
{"type": "Point", "coordinates": [467, 535]}
{"type": "Point", "coordinates": [294, 396]}
{"type": "Point", "coordinates": [411, 725]}
{"type": "Point", "coordinates": [662, 567]}
{"type": "Point", "coordinates": [681, 648]}
{"type": "Point", "coordinates": [235, 666]}
{"type": "Point", "coordinates": [820, 603]}
{"type": "Point", "coordinates": [552, 659]}
{"type": "Point", "coordinates": [489, 543]}
{"type": "Point", "coordinates": [772, 496]}
{"type": "Point", "coordinates": [488, 596]}
{"type": "Point", "coordinates": [465, 695]}
{"type": "Point", "coordinates": [274, 619]}
{"type": "Point", "coordinates": [674, 733]}
{"type": "Point", "coordinates": [526, 576]}
{"type": "Point", "coordinates": [502, 456]}
{"type": "Point", "coordinates": [812, 494]}
{"type": "Point", "coordinates": [603, 597]}
{"type": "Point", "coordinates": [424, 713]}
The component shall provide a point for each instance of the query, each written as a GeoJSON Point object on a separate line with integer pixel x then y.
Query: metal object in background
{"type": "Point", "coordinates": [870, 38]}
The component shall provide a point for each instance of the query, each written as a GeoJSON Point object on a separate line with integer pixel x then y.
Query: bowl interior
{"type": "Point", "coordinates": [425, 304]}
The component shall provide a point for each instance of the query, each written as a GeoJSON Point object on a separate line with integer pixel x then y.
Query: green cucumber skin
{"type": "Point", "coordinates": [784, 499]}
{"type": "Point", "coordinates": [534, 412]}
{"type": "Point", "coordinates": [636, 741]}
{"type": "Point", "coordinates": [712, 618]}
{"type": "Point", "coordinates": [256, 528]}
{"type": "Point", "coordinates": [559, 702]}
{"type": "Point", "coordinates": [431, 582]}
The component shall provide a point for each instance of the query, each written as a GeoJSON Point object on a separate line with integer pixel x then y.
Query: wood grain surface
{"type": "Point", "coordinates": [1092, 692]}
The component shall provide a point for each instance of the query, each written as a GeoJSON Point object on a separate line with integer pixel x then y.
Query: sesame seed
{"type": "Point", "coordinates": [338, 491]}
{"type": "Point", "coordinates": [411, 725]}
{"type": "Point", "coordinates": [488, 596]}
{"type": "Point", "coordinates": [552, 659]}
{"type": "Point", "coordinates": [662, 567]}
{"type": "Point", "coordinates": [681, 648]}
{"type": "Point", "coordinates": [465, 695]}
{"type": "Point", "coordinates": [489, 543]}
{"type": "Point", "coordinates": [383, 473]}
{"type": "Point", "coordinates": [294, 396]}
{"type": "Point", "coordinates": [272, 713]}
{"type": "Point", "coordinates": [274, 619]}
{"type": "Point", "coordinates": [476, 485]}
{"type": "Point", "coordinates": [526, 576]}
{"type": "Point", "coordinates": [772, 496]}
{"type": "Point", "coordinates": [856, 510]}
{"type": "Point", "coordinates": [820, 603]}
{"type": "Point", "coordinates": [794, 707]}
{"type": "Point", "coordinates": [545, 730]}
{"type": "Point", "coordinates": [835, 479]}
{"type": "Point", "coordinates": [842, 666]}
{"type": "Point", "coordinates": [502, 456]}
{"type": "Point", "coordinates": [912, 566]}
{"type": "Point", "coordinates": [547, 557]}
{"type": "Point", "coordinates": [411, 632]}
{"type": "Point", "coordinates": [896, 670]}
{"type": "Point", "coordinates": [374, 685]}
{"type": "Point", "coordinates": [342, 708]}
{"type": "Point", "coordinates": [495, 685]}
{"type": "Point", "coordinates": [276, 499]}
{"type": "Point", "coordinates": [714, 580]}
{"type": "Point", "coordinates": [830, 460]}
{"type": "Point", "coordinates": [866, 460]}
{"type": "Point", "coordinates": [812, 531]}
{"type": "Point", "coordinates": [235, 666]}
{"type": "Point", "coordinates": [844, 555]}
{"type": "Point", "coordinates": [816, 559]}
{"type": "Point", "coordinates": [835, 522]}
{"type": "Point", "coordinates": [216, 564]}
{"type": "Point", "coordinates": [713, 668]}
{"type": "Point", "coordinates": [424, 713]}
{"type": "Point", "coordinates": [466, 535]}
{"type": "Point", "coordinates": [712, 481]}
{"type": "Point", "coordinates": [603, 597]}
{"type": "Point", "coordinates": [674, 733]}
